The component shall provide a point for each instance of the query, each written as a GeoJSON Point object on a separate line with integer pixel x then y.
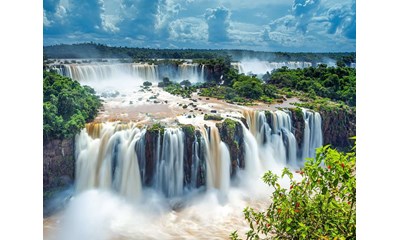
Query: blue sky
{"type": "Point", "coordinates": [268, 25]}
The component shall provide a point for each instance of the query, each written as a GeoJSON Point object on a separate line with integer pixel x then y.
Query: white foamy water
{"type": "Point", "coordinates": [122, 193]}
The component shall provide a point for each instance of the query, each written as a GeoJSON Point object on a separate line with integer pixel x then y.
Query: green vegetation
{"type": "Point", "coordinates": [248, 87]}
{"type": "Point", "coordinates": [156, 128]}
{"type": "Point", "coordinates": [213, 117]}
{"type": "Point", "coordinates": [322, 205]}
{"type": "Point", "coordinates": [177, 89]}
{"type": "Point", "coordinates": [94, 50]}
{"type": "Point", "coordinates": [335, 83]}
{"type": "Point", "coordinates": [230, 126]}
{"type": "Point", "coordinates": [165, 82]}
{"type": "Point", "coordinates": [147, 84]}
{"type": "Point", "coordinates": [188, 129]}
{"type": "Point", "coordinates": [67, 106]}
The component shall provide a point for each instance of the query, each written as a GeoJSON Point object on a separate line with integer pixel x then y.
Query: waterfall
{"type": "Point", "coordinates": [116, 156]}
{"type": "Point", "coordinates": [274, 136]}
{"type": "Point", "coordinates": [84, 72]}
{"type": "Point", "coordinates": [312, 133]}
{"type": "Point", "coordinates": [218, 160]}
{"type": "Point", "coordinates": [102, 72]}
{"type": "Point", "coordinates": [261, 67]}
{"type": "Point", "coordinates": [107, 159]}
{"type": "Point", "coordinates": [191, 71]}
{"type": "Point", "coordinates": [168, 177]}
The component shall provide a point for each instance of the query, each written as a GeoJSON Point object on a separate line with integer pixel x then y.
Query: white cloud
{"type": "Point", "coordinates": [46, 22]}
{"type": "Point", "coordinates": [188, 29]}
{"type": "Point", "coordinates": [218, 20]}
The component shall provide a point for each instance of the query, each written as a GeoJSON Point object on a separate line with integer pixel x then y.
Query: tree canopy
{"type": "Point", "coordinates": [67, 106]}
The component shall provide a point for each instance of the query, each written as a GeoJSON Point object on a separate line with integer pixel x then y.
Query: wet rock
{"type": "Point", "coordinates": [231, 133]}
{"type": "Point", "coordinates": [58, 163]}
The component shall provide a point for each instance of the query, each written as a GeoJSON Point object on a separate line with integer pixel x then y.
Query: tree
{"type": "Point", "coordinates": [249, 87]}
{"type": "Point", "coordinates": [322, 205]}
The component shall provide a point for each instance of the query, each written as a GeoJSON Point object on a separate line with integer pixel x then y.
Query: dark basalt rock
{"type": "Point", "coordinates": [231, 133]}
{"type": "Point", "coordinates": [297, 125]}
{"type": "Point", "coordinates": [58, 164]}
{"type": "Point", "coordinates": [338, 125]}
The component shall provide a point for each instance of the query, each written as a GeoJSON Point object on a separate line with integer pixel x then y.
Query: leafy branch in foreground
{"type": "Point", "coordinates": [320, 206]}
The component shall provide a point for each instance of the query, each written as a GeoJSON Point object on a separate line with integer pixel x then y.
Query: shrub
{"type": "Point", "coordinates": [186, 83]}
{"type": "Point", "coordinates": [320, 206]}
{"type": "Point", "coordinates": [147, 84]}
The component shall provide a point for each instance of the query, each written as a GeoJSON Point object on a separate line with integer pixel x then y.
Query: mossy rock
{"type": "Point", "coordinates": [213, 117]}
{"type": "Point", "coordinates": [188, 129]}
{"type": "Point", "coordinates": [156, 128]}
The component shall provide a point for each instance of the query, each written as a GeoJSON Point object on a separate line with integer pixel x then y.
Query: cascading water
{"type": "Point", "coordinates": [101, 72]}
{"type": "Point", "coordinates": [107, 159]}
{"type": "Point", "coordinates": [261, 67]}
{"type": "Point", "coordinates": [312, 133]}
{"type": "Point", "coordinates": [275, 138]}
{"type": "Point", "coordinates": [117, 157]}
{"type": "Point", "coordinates": [191, 71]}
{"type": "Point", "coordinates": [168, 177]}
{"type": "Point", "coordinates": [218, 160]}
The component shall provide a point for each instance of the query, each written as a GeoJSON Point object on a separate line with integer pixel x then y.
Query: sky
{"type": "Point", "coordinates": [268, 25]}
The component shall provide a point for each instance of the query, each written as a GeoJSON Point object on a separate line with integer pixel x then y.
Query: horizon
{"type": "Point", "coordinates": [197, 49]}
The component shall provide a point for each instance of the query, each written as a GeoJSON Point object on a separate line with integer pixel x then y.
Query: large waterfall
{"type": "Point", "coordinates": [172, 183]}
{"type": "Point", "coordinates": [116, 156]}
{"type": "Point", "coordinates": [106, 158]}
{"type": "Point", "coordinates": [107, 71]}
{"type": "Point", "coordinates": [85, 72]}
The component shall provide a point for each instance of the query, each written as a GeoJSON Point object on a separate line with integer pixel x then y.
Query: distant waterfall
{"type": "Point", "coordinates": [101, 72]}
{"type": "Point", "coordinates": [107, 159]}
{"type": "Point", "coordinates": [261, 67]}
{"type": "Point", "coordinates": [312, 133]}
{"type": "Point", "coordinates": [191, 71]}
{"type": "Point", "coordinates": [83, 72]}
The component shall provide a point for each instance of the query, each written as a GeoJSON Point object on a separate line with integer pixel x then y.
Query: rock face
{"type": "Point", "coordinates": [297, 125]}
{"type": "Point", "coordinates": [213, 72]}
{"type": "Point", "coordinates": [151, 138]}
{"type": "Point", "coordinates": [231, 133]}
{"type": "Point", "coordinates": [338, 125]}
{"type": "Point", "coordinates": [58, 164]}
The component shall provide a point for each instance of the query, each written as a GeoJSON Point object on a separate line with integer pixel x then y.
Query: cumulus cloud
{"type": "Point", "coordinates": [273, 25]}
{"type": "Point", "coordinates": [218, 24]}
{"type": "Point", "coordinates": [188, 29]}
{"type": "Point", "coordinates": [68, 16]}
{"type": "Point", "coordinates": [310, 22]}
{"type": "Point", "coordinates": [342, 21]}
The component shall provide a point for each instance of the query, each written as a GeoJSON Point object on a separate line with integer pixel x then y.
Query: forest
{"type": "Point", "coordinates": [67, 106]}
{"type": "Point", "coordinates": [95, 50]}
